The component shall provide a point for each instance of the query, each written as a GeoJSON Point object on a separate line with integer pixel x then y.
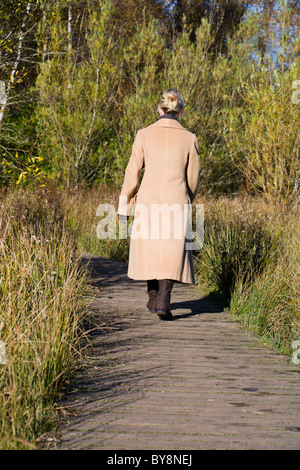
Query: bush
{"type": "Point", "coordinates": [264, 139]}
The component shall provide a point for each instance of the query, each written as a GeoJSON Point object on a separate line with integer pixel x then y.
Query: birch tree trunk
{"type": "Point", "coordinates": [70, 29]}
{"type": "Point", "coordinates": [10, 83]}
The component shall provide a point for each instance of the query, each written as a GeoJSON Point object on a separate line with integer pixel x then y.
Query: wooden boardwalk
{"type": "Point", "coordinates": [199, 382]}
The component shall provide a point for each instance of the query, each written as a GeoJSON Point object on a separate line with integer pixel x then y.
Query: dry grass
{"type": "Point", "coordinates": [251, 256]}
{"type": "Point", "coordinates": [270, 304]}
{"type": "Point", "coordinates": [41, 309]}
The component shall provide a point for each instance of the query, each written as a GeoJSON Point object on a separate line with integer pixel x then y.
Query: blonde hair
{"type": "Point", "coordinates": [172, 102]}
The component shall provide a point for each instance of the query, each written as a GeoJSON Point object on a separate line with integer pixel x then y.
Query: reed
{"type": "Point", "coordinates": [41, 311]}
{"type": "Point", "coordinates": [270, 304]}
{"type": "Point", "coordinates": [250, 260]}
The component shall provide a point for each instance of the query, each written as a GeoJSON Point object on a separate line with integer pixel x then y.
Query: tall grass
{"type": "Point", "coordinates": [250, 258]}
{"type": "Point", "coordinates": [80, 214]}
{"type": "Point", "coordinates": [41, 312]}
{"type": "Point", "coordinates": [238, 242]}
{"type": "Point", "coordinates": [235, 250]}
{"type": "Point", "coordinates": [270, 305]}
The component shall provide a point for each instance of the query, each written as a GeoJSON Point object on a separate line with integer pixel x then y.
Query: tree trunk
{"type": "Point", "coordinates": [70, 29]}
{"type": "Point", "coordinates": [15, 65]}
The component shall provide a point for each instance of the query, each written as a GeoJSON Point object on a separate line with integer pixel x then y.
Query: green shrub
{"type": "Point", "coordinates": [270, 304]}
{"type": "Point", "coordinates": [237, 245]}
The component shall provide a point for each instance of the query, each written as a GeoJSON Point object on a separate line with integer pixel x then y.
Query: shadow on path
{"type": "Point", "coordinates": [109, 270]}
{"type": "Point", "coordinates": [196, 306]}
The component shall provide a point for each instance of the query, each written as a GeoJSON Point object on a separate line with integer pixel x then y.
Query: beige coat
{"type": "Point", "coordinates": [169, 155]}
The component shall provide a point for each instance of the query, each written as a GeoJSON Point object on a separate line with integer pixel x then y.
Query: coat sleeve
{"type": "Point", "coordinates": [193, 169]}
{"type": "Point", "coordinates": [132, 176]}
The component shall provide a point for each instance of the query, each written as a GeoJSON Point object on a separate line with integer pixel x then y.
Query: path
{"type": "Point", "coordinates": [199, 382]}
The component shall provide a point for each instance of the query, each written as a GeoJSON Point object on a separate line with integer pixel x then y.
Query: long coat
{"type": "Point", "coordinates": [169, 156]}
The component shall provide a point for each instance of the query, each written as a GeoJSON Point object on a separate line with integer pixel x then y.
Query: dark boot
{"type": "Point", "coordinates": [152, 288]}
{"type": "Point", "coordinates": [163, 301]}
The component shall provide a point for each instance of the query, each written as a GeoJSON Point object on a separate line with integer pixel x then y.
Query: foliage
{"type": "Point", "coordinates": [32, 170]}
{"type": "Point", "coordinates": [265, 137]}
{"type": "Point", "coordinates": [262, 130]}
{"type": "Point", "coordinates": [100, 68]}
{"type": "Point", "coordinates": [142, 59]}
{"type": "Point", "coordinates": [75, 101]}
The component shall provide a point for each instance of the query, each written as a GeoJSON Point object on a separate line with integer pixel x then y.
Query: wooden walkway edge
{"type": "Point", "coordinates": [199, 382]}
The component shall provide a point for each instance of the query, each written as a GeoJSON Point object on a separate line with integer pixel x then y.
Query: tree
{"type": "Point", "coordinates": [224, 16]}
{"type": "Point", "coordinates": [12, 59]}
{"type": "Point", "coordinates": [75, 96]}
{"type": "Point", "coordinates": [279, 28]}
{"type": "Point", "coordinates": [129, 14]}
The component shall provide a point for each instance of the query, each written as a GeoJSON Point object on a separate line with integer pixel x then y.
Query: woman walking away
{"type": "Point", "coordinates": [169, 155]}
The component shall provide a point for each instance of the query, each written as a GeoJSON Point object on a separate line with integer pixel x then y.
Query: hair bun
{"type": "Point", "coordinates": [172, 101]}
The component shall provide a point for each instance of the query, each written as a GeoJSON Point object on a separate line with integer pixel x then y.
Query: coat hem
{"type": "Point", "coordinates": [160, 277]}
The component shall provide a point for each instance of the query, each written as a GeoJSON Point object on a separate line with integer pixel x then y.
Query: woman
{"type": "Point", "coordinates": [169, 155]}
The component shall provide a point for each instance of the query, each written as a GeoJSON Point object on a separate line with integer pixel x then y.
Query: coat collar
{"type": "Point", "coordinates": [168, 122]}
